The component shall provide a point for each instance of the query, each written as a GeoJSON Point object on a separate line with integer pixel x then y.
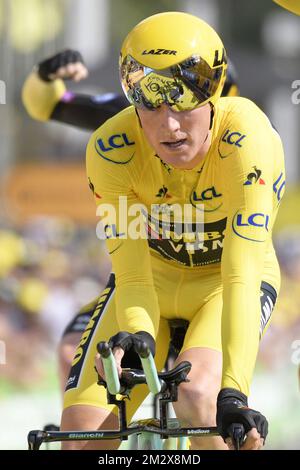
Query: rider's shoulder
{"type": "Point", "coordinates": [241, 112]}
{"type": "Point", "coordinates": [237, 106]}
{"type": "Point", "coordinates": [115, 140]}
{"type": "Point", "coordinates": [239, 124]}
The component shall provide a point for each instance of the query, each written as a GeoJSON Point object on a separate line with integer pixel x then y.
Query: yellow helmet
{"type": "Point", "coordinates": [291, 5]}
{"type": "Point", "coordinates": [172, 58]}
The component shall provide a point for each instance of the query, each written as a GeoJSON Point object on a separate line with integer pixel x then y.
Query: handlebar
{"type": "Point", "coordinates": [114, 384]}
{"type": "Point", "coordinates": [110, 368]}
{"type": "Point", "coordinates": [149, 368]}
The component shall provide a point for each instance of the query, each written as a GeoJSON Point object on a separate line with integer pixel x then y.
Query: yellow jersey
{"type": "Point", "coordinates": [237, 188]}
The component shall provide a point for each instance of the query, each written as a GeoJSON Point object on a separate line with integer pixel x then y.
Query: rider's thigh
{"type": "Point", "coordinates": [88, 418]}
{"type": "Point", "coordinates": [70, 339]}
{"type": "Point", "coordinates": [196, 405]}
{"type": "Point", "coordinates": [202, 347]}
{"type": "Point", "coordinates": [197, 398]}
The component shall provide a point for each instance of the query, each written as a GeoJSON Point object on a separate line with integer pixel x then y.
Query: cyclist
{"type": "Point", "coordinates": [45, 97]}
{"type": "Point", "coordinates": [183, 144]}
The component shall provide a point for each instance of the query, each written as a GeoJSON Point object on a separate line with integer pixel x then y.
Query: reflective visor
{"type": "Point", "coordinates": [183, 86]}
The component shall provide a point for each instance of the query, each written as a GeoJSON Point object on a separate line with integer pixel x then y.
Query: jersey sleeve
{"type": "Point", "coordinates": [248, 172]}
{"type": "Point", "coordinates": [40, 98]}
{"type": "Point", "coordinates": [50, 100]}
{"type": "Point", "coordinates": [110, 176]}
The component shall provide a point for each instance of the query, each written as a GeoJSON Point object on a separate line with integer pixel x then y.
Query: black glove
{"type": "Point", "coordinates": [128, 342]}
{"type": "Point", "coordinates": [232, 407]}
{"type": "Point", "coordinates": [51, 65]}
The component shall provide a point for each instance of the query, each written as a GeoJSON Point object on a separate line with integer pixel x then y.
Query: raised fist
{"type": "Point", "coordinates": [67, 64]}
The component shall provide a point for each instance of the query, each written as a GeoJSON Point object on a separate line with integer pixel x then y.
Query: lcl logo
{"type": "Point", "coordinates": [233, 138]}
{"type": "Point", "coordinates": [115, 141]}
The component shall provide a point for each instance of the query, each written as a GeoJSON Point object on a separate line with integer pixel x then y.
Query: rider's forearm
{"type": "Point", "coordinates": [87, 111]}
{"type": "Point", "coordinates": [242, 274]}
{"type": "Point", "coordinates": [240, 333]}
{"type": "Point", "coordinates": [40, 98]}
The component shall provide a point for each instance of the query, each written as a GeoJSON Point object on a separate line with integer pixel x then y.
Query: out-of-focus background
{"type": "Point", "coordinates": [51, 262]}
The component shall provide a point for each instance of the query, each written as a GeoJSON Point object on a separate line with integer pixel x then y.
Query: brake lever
{"type": "Point", "coordinates": [237, 433]}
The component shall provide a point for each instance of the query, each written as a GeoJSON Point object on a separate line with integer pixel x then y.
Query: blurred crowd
{"type": "Point", "coordinates": [48, 270]}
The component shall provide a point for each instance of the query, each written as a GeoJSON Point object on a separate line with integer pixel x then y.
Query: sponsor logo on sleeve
{"type": "Point", "coordinates": [253, 227]}
{"type": "Point", "coordinates": [254, 177]}
{"type": "Point", "coordinates": [115, 141]}
{"type": "Point", "coordinates": [120, 142]}
{"type": "Point", "coordinates": [279, 186]}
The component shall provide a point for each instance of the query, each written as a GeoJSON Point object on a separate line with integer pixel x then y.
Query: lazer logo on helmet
{"type": "Point", "coordinates": [159, 52]}
{"type": "Point", "coordinates": [219, 61]}
{"type": "Point", "coordinates": [115, 141]}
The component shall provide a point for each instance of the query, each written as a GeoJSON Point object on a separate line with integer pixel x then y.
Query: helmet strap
{"type": "Point", "coordinates": [138, 117]}
{"type": "Point", "coordinates": [212, 113]}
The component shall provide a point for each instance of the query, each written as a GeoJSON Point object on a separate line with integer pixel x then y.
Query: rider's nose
{"type": "Point", "coordinates": [169, 119]}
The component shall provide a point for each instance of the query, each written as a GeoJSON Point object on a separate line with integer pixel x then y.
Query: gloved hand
{"type": "Point", "coordinates": [67, 64]}
{"type": "Point", "coordinates": [123, 347]}
{"type": "Point", "coordinates": [232, 407]}
{"type": "Point", "coordinates": [128, 342]}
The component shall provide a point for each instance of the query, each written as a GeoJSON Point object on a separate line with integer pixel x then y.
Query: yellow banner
{"type": "Point", "coordinates": [52, 189]}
